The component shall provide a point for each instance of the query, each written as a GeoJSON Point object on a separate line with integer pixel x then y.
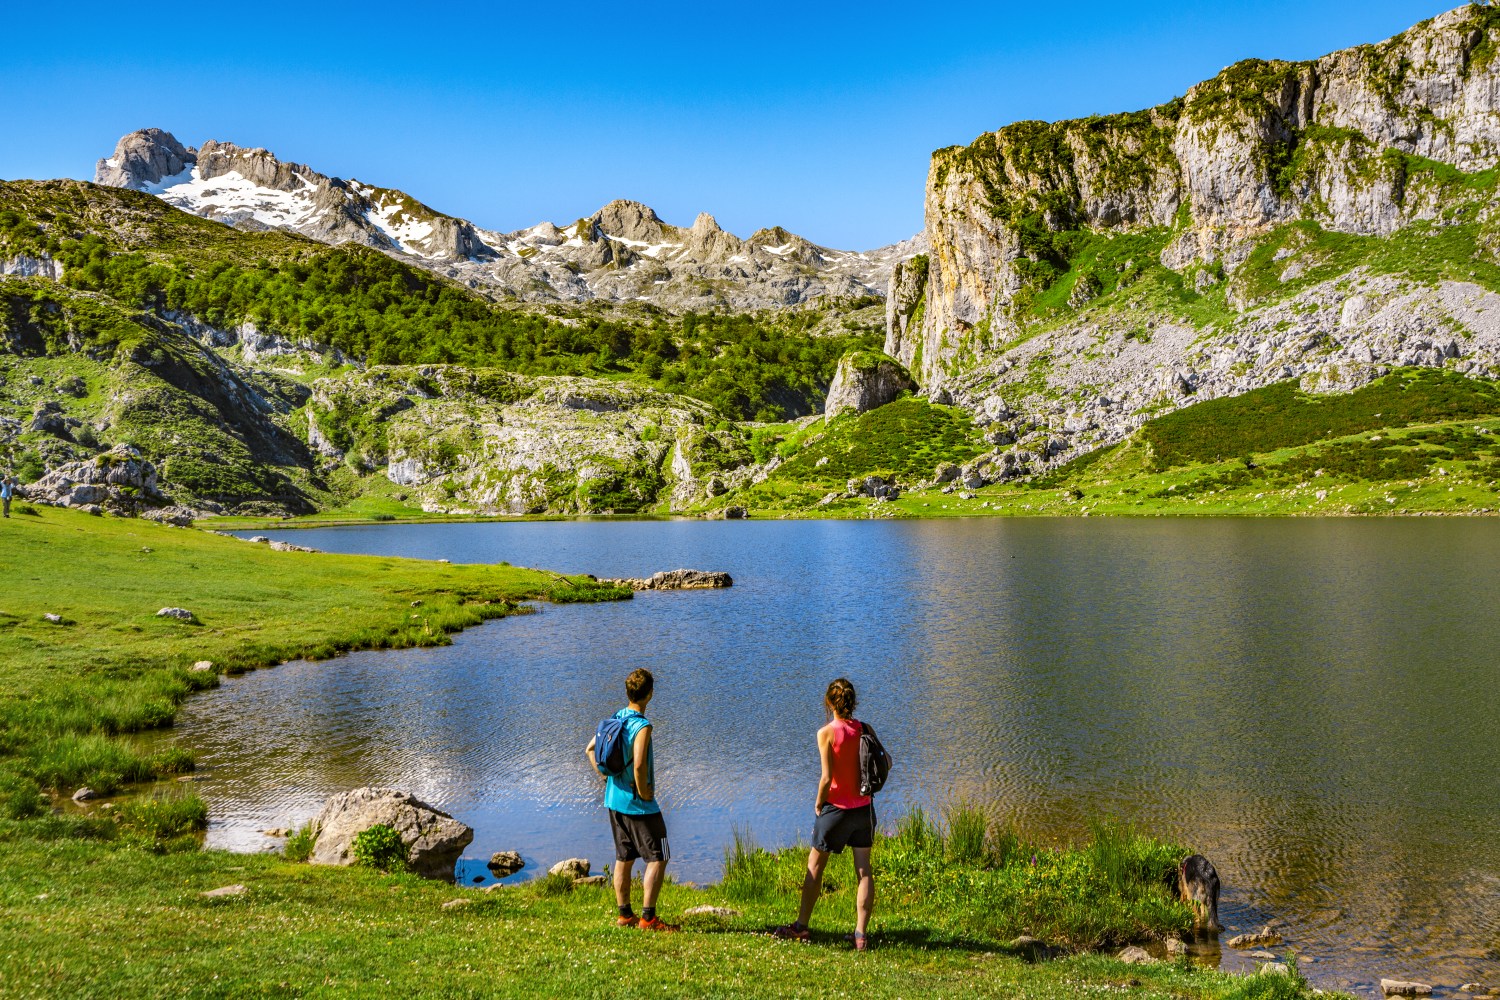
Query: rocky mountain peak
{"type": "Point", "coordinates": [144, 158]}
{"type": "Point", "coordinates": [631, 220]}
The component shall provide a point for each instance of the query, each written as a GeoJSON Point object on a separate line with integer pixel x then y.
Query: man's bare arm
{"type": "Point", "coordinates": [643, 787]}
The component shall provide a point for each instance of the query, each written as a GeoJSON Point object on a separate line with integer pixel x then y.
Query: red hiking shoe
{"type": "Point", "coordinates": [656, 924]}
{"type": "Point", "coordinates": [627, 921]}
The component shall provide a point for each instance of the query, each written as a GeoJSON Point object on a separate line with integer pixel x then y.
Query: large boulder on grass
{"type": "Point", "coordinates": [434, 840]}
{"type": "Point", "coordinates": [865, 380]}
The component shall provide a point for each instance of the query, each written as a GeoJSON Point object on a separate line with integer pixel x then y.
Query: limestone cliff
{"type": "Point", "coordinates": [1355, 142]}
{"type": "Point", "coordinates": [1323, 220]}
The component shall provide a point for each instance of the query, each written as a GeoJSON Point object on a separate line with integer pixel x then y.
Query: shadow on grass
{"type": "Point", "coordinates": [914, 938]}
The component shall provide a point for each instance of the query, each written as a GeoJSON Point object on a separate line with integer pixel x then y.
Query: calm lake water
{"type": "Point", "coordinates": [1312, 704]}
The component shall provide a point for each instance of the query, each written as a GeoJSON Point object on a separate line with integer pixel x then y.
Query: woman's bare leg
{"type": "Point", "coordinates": [812, 884]}
{"type": "Point", "coordinates": [865, 903]}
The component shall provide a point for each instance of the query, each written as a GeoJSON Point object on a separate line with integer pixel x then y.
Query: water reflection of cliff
{"type": "Point", "coordinates": [1313, 704]}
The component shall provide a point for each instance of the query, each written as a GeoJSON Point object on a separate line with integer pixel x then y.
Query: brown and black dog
{"type": "Point", "coordinates": [1198, 885]}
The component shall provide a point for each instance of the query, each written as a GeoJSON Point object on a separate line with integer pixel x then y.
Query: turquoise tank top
{"type": "Point", "coordinates": [619, 793]}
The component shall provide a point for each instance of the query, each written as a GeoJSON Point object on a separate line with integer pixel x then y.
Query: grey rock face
{"type": "Point", "coordinates": [1043, 398]}
{"type": "Point", "coordinates": [144, 158]}
{"type": "Point", "coordinates": [495, 442]}
{"type": "Point", "coordinates": [434, 839]}
{"type": "Point", "coordinates": [863, 381]}
{"type": "Point", "coordinates": [120, 478]}
{"type": "Point", "coordinates": [1260, 145]}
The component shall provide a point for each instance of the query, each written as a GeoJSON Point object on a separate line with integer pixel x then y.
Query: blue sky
{"type": "Point", "coordinates": [817, 117]}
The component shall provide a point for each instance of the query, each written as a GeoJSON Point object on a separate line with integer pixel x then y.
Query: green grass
{"type": "Point", "coordinates": [969, 878]}
{"type": "Point", "coordinates": [71, 690]}
{"type": "Point", "coordinates": [906, 439]}
{"type": "Point", "coordinates": [300, 930]}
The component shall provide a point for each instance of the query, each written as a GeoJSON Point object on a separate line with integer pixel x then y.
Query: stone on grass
{"type": "Point", "coordinates": [433, 839]}
{"type": "Point", "coordinates": [222, 891]}
{"type": "Point", "coordinates": [710, 911]}
{"type": "Point", "coordinates": [457, 904]}
{"type": "Point", "coordinates": [203, 665]}
{"type": "Point", "coordinates": [181, 614]}
{"type": "Point", "coordinates": [504, 863]}
{"type": "Point", "coordinates": [592, 880]}
{"type": "Point", "coordinates": [54, 619]}
{"type": "Point", "coordinates": [1274, 969]}
{"type": "Point", "coordinates": [1400, 988]}
{"type": "Point", "coordinates": [1135, 956]}
{"type": "Point", "coordinates": [576, 867]}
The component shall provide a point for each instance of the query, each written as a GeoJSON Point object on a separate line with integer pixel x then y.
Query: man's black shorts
{"type": "Point", "coordinates": [639, 836]}
{"type": "Point", "coordinates": [837, 828]}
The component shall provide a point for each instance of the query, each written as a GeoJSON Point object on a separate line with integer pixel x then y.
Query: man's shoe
{"type": "Point", "coordinates": [656, 924]}
{"type": "Point", "coordinates": [627, 921]}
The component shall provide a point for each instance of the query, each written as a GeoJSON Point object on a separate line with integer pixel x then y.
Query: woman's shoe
{"type": "Point", "coordinates": [791, 932]}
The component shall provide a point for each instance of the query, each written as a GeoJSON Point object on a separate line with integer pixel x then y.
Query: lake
{"type": "Point", "coordinates": [1311, 703]}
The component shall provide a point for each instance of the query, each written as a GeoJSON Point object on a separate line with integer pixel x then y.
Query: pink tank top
{"type": "Point", "coordinates": [844, 792]}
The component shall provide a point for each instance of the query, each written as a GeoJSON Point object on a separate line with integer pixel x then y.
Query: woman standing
{"type": "Point", "coordinates": [844, 816]}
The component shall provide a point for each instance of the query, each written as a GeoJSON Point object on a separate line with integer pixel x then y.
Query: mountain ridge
{"type": "Point", "coordinates": [623, 252]}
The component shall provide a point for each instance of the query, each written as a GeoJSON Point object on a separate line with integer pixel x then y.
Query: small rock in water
{"type": "Point", "coordinates": [1135, 956]}
{"type": "Point", "coordinates": [1472, 988]}
{"type": "Point", "coordinates": [477, 880]}
{"type": "Point", "coordinates": [1256, 939]}
{"type": "Point", "coordinates": [710, 911]}
{"type": "Point", "coordinates": [1175, 946]}
{"type": "Point", "coordinates": [1264, 956]}
{"type": "Point", "coordinates": [504, 863]}
{"type": "Point", "coordinates": [1400, 988]}
{"type": "Point", "coordinates": [84, 794]}
{"type": "Point", "coordinates": [576, 867]}
{"type": "Point", "coordinates": [260, 540]}
{"type": "Point", "coordinates": [227, 890]}
{"type": "Point", "coordinates": [181, 614]}
{"type": "Point", "coordinates": [276, 831]}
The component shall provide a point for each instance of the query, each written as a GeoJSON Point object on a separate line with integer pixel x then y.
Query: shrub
{"type": "Point", "coordinates": [381, 847]}
{"type": "Point", "coordinates": [299, 846]}
{"type": "Point", "coordinates": [553, 884]}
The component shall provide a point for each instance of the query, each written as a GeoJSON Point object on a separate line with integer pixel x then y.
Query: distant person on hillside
{"type": "Point", "coordinates": [7, 490]}
{"type": "Point", "coordinates": [622, 751]}
{"type": "Point", "coordinates": [844, 816]}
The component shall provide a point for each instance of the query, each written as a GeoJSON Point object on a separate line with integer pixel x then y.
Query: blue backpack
{"type": "Point", "coordinates": [609, 747]}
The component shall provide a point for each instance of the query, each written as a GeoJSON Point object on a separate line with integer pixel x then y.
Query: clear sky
{"type": "Point", "coordinates": [816, 116]}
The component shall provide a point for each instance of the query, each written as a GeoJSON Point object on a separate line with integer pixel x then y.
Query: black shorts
{"type": "Point", "coordinates": [639, 836]}
{"type": "Point", "coordinates": [837, 828]}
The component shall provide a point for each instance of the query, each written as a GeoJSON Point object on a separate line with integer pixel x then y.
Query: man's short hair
{"type": "Point", "coordinates": [639, 684]}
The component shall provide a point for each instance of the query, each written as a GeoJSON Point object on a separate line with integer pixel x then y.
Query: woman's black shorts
{"type": "Point", "coordinates": [837, 828]}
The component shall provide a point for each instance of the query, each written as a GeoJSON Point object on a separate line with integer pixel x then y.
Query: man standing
{"type": "Point", "coordinates": [7, 490]}
{"type": "Point", "coordinates": [634, 817]}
